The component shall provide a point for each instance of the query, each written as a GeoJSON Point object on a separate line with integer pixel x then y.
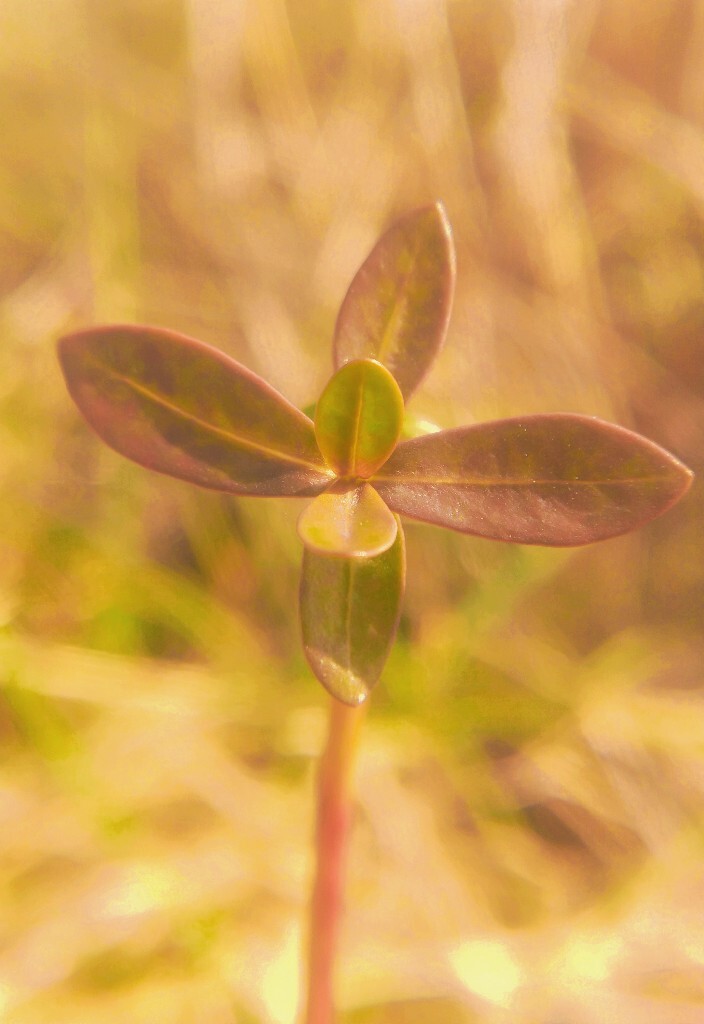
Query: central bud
{"type": "Point", "coordinates": [358, 419]}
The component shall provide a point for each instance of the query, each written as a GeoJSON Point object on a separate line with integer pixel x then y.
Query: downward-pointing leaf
{"type": "Point", "coordinates": [350, 609]}
{"type": "Point", "coordinates": [556, 479]}
{"type": "Point", "coordinates": [348, 519]}
{"type": "Point", "coordinates": [358, 418]}
{"type": "Point", "coordinates": [181, 407]}
{"type": "Point", "coordinates": [398, 305]}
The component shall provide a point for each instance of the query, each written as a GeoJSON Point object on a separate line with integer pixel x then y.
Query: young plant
{"type": "Point", "coordinates": [180, 407]}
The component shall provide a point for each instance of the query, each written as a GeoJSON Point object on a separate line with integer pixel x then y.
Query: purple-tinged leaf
{"type": "Point", "coordinates": [398, 305]}
{"type": "Point", "coordinates": [350, 609]}
{"type": "Point", "coordinates": [557, 479]}
{"type": "Point", "coordinates": [358, 418]}
{"type": "Point", "coordinates": [350, 520]}
{"type": "Point", "coordinates": [180, 407]}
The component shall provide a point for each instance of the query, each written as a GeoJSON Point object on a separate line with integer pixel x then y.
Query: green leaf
{"type": "Point", "coordinates": [349, 520]}
{"type": "Point", "coordinates": [358, 418]}
{"type": "Point", "coordinates": [350, 609]}
{"type": "Point", "coordinates": [398, 305]}
{"type": "Point", "coordinates": [557, 479]}
{"type": "Point", "coordinates": [180, 407]}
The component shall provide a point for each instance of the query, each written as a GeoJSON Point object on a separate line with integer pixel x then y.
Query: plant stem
{"type": "Point", "coordinates": [334, 814]}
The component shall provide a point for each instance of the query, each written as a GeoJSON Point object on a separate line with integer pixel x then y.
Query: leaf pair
{"type": "Point", "coordinates": [180, 407]}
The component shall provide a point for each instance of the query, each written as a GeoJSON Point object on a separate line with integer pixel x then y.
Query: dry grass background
{"type": "Point", "coordinates": [529, 839]}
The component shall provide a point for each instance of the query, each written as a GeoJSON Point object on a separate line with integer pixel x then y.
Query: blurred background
{"type": "Point", "coordinates": [529, 836]}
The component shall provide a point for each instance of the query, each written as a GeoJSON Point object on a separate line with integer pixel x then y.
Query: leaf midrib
{"type": "Point", "coordinates": [520, 482]}
{"type": "Point", "coordinates": [233, 439]}
{"type": "Point", "coordinates": [354, 445]}
{"type": "Point", "coordinates": [389, 332]}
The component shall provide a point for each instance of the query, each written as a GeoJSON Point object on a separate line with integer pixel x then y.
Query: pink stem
{"type": "Point", "coordinates": [334, 814]}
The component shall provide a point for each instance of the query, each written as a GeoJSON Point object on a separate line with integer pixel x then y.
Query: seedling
{"type": "Point", "coordinates": [182, 408]}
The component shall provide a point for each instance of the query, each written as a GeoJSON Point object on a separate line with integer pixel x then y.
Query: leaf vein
{"type": "Point", "coordinates": [232, 438]}
{"type": "Point", "coordinates": [409, 481]}
{"type": "Point", "coordinates": [397, 306]}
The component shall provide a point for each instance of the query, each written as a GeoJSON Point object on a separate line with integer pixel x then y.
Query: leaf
{"type": "Point", "coordinates": [178, 406]}
{"type": "Point", "coordinates": [350, 609]}
{"type": "Point", "coordinates": [398, 305]}
{"type": "Point", "coordinates": [557, 479]}
{"type": "Point", "coordinates": [349, 520]}
{"type": "Point", "coordinates": [358, 418]}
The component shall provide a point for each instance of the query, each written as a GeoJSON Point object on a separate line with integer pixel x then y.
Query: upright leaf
{"type": "Point", "coordinates": [358, 418]}
{"type": "Point", "coordinates": [349, 520]}
{"type": "Point", "coordinates": [557, 479]}
{"type": "Point", "coordinates": [398, 305]}
{"type": "Point", "coordinates": [350, 609]}
{"type": "Point", "coordinates": [178, 406]}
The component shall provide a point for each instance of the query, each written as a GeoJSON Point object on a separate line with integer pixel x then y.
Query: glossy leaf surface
{"type": "Point", "coordinates": [557, 479]}
{"type": "Point", "coordinates": [358, 418]}
{"type": "Point", "coordinates": [178, 406]}
{"type": "Point", "coordinates": [350, 609]}
{"type": "Point", "coordinates": [350, 520]}
{"type": "Point", "coordinates": [398, 305]}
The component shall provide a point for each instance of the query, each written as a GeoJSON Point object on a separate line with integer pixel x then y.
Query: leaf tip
{"type": "Point", "coordinates": [67, 347]}
{"type": "Point", "coordinates": [438, 207]}
{"type": "Point", "coordinates": [686, 477]}
{"type": "Point", "coordinates": [445, 230]}
{"type": "Point", "coordinates": [341, 683]}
